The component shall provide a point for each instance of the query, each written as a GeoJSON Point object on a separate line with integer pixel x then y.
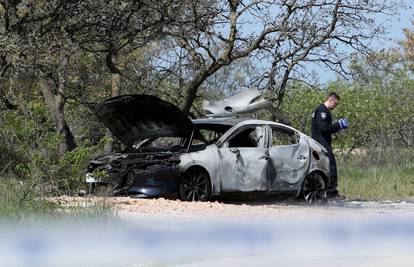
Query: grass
{"type": "Point", "coordinates": [383, 182]}
{"type": "Point", "coordinates": [17, 204]}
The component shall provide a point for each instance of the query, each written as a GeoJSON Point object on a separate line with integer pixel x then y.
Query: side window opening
{"type": "Point", "coordinates": [210, 135]}
{"type": "Point", "coordinates": [283, 137]}
{"type": "Point", "coordinates": [252, 137]}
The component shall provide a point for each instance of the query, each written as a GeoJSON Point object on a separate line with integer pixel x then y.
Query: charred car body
{"type": "Point", "coordinates": [170, 155]}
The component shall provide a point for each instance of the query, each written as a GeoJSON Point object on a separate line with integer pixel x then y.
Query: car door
{"type": "Point", "coordinates": [289, 157]}
{"type": "Point", "coordinates": [244, 160]}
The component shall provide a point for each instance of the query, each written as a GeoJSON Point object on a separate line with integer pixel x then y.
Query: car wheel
{"type": "Point", "coordinates": [195, 186]}
{"type": "Point", "coordinates": [313, 189]}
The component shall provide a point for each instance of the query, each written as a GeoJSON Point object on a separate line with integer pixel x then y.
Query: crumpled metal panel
{"type": "Point", "coordinates": [207, 159]}
{"type": "Point", "coordinates": [246, 101]}
{"type": "Point", "coordinates": [321, 164]}
{"type": "Point", "coordinates": [244, 169]}
{"type": "Point", "coordinates": [290, 162]}
{"type": "Point", "coordinates": [236, 168]}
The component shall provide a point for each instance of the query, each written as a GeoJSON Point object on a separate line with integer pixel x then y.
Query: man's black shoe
{"type": "Point", "coordinates": [334, 195]}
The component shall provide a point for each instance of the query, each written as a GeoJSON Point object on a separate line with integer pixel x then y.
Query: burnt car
{"type": "Point", "coordinates": [169, 155]}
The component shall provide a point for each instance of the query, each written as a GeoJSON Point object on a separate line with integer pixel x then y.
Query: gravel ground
{"type": "Point", "coordinates": [161, 232]}
{"type": "Point", "coordinates": [248, 210]}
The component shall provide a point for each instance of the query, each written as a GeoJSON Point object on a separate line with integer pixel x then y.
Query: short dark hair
{"type": "Point", "coordinates": [334, 95]}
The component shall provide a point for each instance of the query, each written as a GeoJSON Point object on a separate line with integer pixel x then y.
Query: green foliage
{"type": "Point", "coordinates": [375, 154]}
{"type": "Point", "coordinates": [31, 155]}
{"type": "Point", "coordinates": [32, 170]}
{"type": "Point", "coordinates": [300, 104]}
{"type": "Point", "coordinates": [378, 117]}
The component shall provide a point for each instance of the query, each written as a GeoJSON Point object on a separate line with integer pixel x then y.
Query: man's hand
{"type": "Point", "coordinates": [343, 123]}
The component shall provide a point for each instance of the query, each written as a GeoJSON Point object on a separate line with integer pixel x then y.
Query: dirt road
{"type": "Point", "coordinates": [249, 210]}
{"type": "Point", "coordinates": [231, 233]}
{"type": "Point", "coordinates": [278, 233]}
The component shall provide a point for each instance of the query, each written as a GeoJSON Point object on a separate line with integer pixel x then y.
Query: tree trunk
{"type": "Point", "coordinates": [190, 95]}
{"type": "Point", "coordinates": [56, 106]}
{"type": "Point", "coordinates": [279, 116]}
{"type": "Point", "coordinates": [115, 91]}
{"type": "Point", "coordinates": [192, 87]}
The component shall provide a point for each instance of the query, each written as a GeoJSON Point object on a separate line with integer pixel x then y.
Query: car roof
{"type": "Point", "coordinates": [241, 121]}
{"type": "Point", "coordinates": [218, 121]}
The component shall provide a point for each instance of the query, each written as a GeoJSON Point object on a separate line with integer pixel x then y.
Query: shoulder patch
{"type": "Point", "coordinates": [323, 115]}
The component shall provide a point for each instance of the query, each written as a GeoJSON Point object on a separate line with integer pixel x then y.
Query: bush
{"type": "Point", "coordinates": [30, 152]}
{"type": "Point", "coordinates": [380, 118]}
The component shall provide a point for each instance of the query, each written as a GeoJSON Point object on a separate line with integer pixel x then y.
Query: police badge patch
{"type": "Point", "coordinates": [323, 115]}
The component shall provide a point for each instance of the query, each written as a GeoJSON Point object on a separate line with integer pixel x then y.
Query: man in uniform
{"type": "Point", "coordinates": [322, 130]}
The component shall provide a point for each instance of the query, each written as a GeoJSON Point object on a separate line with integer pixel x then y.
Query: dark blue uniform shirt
{"type": "Point", "coordinates": [322, 126]}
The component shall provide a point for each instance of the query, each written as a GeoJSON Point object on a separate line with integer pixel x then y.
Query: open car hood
{"type": "Point", "coordinates": [132, 118]}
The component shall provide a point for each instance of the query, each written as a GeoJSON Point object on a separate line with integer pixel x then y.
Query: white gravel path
{"type": "Point", "coordinates": [263, 232]}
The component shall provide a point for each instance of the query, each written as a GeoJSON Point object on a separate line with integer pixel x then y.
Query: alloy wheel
{"type": "Point", "coordinates": [195, 186]}
{"type": "Point", "coordinates": [313, 190]}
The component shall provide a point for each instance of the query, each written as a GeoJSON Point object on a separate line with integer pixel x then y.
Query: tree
{"type": "Point", "coordinates": [107, 29]}
{"type": "Point", "coordinates": [44, 39]}
{"type": "Point", "coordinates": [285, 36]}
{"type": "Point", "coordinates": [408, 43]}
{"type": "Point", "coordinates": [37, 47]}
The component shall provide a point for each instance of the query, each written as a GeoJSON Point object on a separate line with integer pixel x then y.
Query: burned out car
{"type": "Point", "coordinates": [170, 155]}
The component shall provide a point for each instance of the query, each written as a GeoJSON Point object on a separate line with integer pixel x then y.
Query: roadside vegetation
{"type": "Point", "coordinates": [19, 204]}
{"type": "Point", "coordinates": [377, 182]}
{"type": "Point", "coordinates": [32, 172]}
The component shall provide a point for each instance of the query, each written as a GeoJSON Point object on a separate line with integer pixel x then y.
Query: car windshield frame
{"type": "Point", "coordinates": [185, 143]}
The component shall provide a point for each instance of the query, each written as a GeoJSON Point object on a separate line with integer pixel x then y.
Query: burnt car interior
{"type": "Point", "coordinates": [206, 135]}
{"type": "Point", "coordinates": [202, 136]}
{"type": "Point", "coordinates": [162, 143]}
{"type": "Point", "coordinates": [212, 132]}
{"type": "Point", "coordinates": [171, 144]}
{"type": "Point", "coordinates": [283, 137]}
{"type": "Point", "coordinates": [246, 138]}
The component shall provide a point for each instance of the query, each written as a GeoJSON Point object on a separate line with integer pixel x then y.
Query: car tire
{"type": "Point", "coordinates": [314, 189]}
{"type": "Point", "coordinates": [195, 185]}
